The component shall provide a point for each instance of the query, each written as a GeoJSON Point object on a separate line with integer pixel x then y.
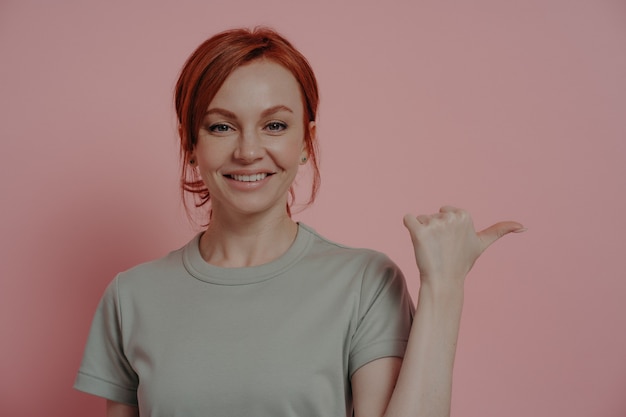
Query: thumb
{"type": "Point", "coordinates": [496, 231]}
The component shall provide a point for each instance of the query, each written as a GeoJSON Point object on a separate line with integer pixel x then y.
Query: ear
{"type": "Point", "coordinates": [312, 129]}
{"type": "Point", "coordinates": [304, 156]}
{"type": "Point", "coordinates": [191, 159]}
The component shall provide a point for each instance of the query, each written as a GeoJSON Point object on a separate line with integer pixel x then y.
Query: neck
{"type": "Point", "coordinates": [239, 241]}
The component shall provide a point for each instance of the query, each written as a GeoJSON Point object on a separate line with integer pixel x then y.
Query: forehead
{"type": "Point", "coordinates": [257, 86]}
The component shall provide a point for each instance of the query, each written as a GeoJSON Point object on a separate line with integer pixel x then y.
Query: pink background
{"type": "Point", "coordinates": [511, 109]}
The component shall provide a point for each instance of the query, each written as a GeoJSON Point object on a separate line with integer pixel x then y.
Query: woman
{"type": "Point", "coordinates": [259, 315]}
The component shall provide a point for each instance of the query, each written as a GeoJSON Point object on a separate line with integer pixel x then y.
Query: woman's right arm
{"type": "Point", "coordinates": [115, 409]}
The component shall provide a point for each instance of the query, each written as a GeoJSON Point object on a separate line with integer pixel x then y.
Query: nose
{"type": "Point", "coordinates": [249, 147]}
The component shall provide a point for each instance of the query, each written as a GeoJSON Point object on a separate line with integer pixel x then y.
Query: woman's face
{"type": "Point", "coordinates": [251, 141]}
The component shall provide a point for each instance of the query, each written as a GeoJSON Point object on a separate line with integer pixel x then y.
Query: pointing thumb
{"type": "Point", "coordinates": [497, 230]}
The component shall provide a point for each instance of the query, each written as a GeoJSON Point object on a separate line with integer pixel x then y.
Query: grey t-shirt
{"type": "Point", "coordinates": [180, 337]}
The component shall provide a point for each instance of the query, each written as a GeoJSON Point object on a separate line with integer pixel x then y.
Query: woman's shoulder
{"type": "Point", "coordinates": [340, 251]}
{"type": "Point", "coordinates": [371, 270]}
{"type": "Point", "coordinates": [164, 266]}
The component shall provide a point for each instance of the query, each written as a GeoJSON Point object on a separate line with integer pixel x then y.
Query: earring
{"type": "Point", "coordinates": [192, 161]}
{"type": "Point", "coordinates": [303, 159]}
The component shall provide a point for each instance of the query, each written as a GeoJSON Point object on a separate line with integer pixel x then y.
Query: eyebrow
{"type": "Point", "coordinates": [265, 113]}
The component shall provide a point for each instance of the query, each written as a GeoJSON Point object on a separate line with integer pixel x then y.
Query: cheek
{"type": "Point", "coordinates": [205, 168]}
{"type": "Point", "coordinates": [289, 154]}
{"type": "Point", "coordinates": [210, 156]}
{"type": "Point", "coordinates": [295, 146]}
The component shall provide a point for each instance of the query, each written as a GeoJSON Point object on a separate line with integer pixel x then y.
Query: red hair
{"type": "Point", "coordinates": [204, 73]}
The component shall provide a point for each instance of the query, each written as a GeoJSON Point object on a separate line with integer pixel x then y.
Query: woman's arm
{"type": "Point", "coordinates": [446, 247]}
{"type": "Point", "coordinates": [115, 409]}
{"type": "Point", "coordinates": [424, 385]}
{"type": "Point", "coordinates": [372, 386]}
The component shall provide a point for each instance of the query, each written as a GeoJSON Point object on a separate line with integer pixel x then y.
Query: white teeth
{"type": "Point", "coordinates": [249, 178]}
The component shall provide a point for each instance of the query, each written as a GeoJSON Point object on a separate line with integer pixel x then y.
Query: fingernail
{"type": "Point", "coordinates": [523, 229]}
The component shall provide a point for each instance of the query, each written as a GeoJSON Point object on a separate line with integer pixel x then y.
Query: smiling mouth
{"type": "Point", "coordinates": [248, 178]}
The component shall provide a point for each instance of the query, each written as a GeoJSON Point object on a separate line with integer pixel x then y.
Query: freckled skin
{"type": "Point", "coordinates": [253, 125]}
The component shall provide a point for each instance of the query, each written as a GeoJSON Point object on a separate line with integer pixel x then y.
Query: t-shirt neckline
{"type": "Point", "coordinates": [200, 269]}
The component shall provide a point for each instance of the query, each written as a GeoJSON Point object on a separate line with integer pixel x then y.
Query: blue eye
{"type": "Point", "coordinates": [276, 126]}
{"type": "Point", "coordinates": [219, 128]}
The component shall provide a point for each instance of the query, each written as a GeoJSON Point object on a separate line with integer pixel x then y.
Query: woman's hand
{"type": "Point", "coordinates": [446, 247]}
{"type": "Point", "coordinates": [446, 244]}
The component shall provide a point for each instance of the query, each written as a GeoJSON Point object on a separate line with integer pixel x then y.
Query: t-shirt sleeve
{"type": "Point", "coordinates": [105, 371]}
{"type": "Point", "coordinates": [385, 314]}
